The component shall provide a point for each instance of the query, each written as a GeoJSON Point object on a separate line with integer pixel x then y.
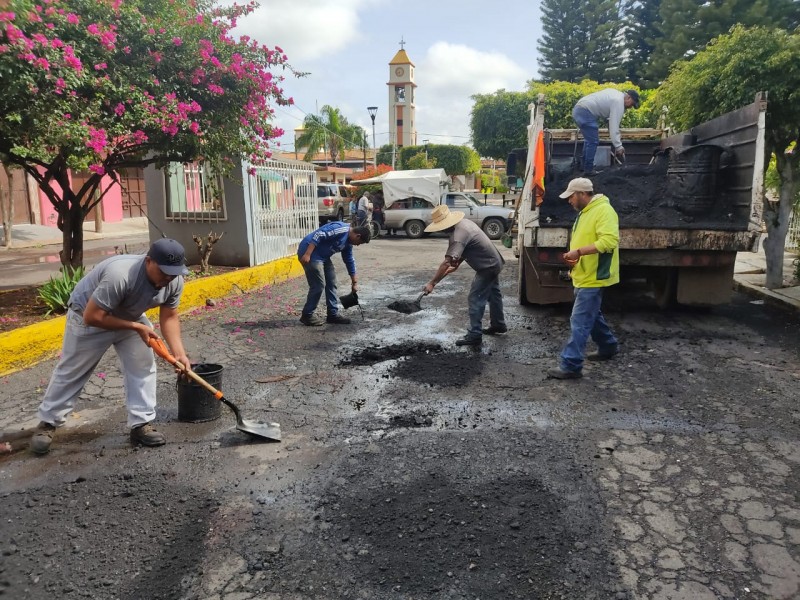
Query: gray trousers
{"type": "Point", "coordinates": [83, 348]}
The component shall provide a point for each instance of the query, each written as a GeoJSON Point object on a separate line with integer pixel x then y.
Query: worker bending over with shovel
{"type": "Point", "coordinates": [106, 309]}
{"type": "Point", "coordinates": [469, 243]}
{"type": "Point", "coordinates": [315, 252]}
{"type": "Point", "coordinates": [594, 258]}
{"type": "Point", "coordinates": [607, 104]}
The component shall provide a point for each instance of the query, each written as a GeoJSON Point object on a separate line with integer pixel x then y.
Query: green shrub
{"type": "Point", "coordinates": [55, 293]}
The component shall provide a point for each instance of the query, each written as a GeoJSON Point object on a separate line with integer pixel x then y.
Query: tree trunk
{"type": "Point", "coordinates": [776, 218]}
{"type": "Point", "coordinates": [7, 205]}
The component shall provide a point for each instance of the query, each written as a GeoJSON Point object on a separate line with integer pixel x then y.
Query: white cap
{"type": "Point", "coordinates": [579, 184]}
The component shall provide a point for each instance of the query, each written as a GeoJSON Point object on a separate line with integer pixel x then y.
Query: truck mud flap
{"type": "Point", "coordinates": [543, 283]}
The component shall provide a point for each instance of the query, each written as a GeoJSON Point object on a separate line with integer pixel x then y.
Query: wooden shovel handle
{"type": "Point", "coordinates": [160, 348]}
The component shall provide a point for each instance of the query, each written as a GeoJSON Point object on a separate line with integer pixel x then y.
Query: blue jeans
{"type": "Point", "coordinates": [485, 288]}
{"type": "Point", "coordinates": [321, 276]}
{"type": "Point", "coordinates": [587, 123]}
{"type": "Point", "coordinates": [586, 320]}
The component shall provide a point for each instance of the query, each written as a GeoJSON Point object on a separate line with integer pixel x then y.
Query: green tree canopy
{"type": "Point", "coordinates": [686, 26]}
{"type": "Point", "coordinates": [726, 76]}
{"type": "Point", "coordinates": [330, 131]}
{"type": "Point", "coordinates": [580, 40]}
{"type": "Point", "coordinates": [498, 122]}
{"type": "Point", "coordinates": [642, 31]}
{"type": "Point", "coordinates": [104, 86]}
{"type": "Point", "coordinates": [455, 160]}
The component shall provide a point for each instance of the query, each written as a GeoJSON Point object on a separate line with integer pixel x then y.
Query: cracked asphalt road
{"type": "Point", "coordinates": [413, 469]}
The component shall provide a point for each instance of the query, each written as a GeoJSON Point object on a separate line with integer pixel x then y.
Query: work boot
{"type": "Point", "coordinates": [311, 320]}
{"type": "Point", "coordinates": [338, 319]}
{"type": "Point", "coordinates": [469, 340]}
{"type": "Point", "coordinates": [145, 435]}
{"type": "Point", "coordinates": [598, 356]}
{"type": "Point", "coordinates": [42, 438]}
{"type": "Point", "coordinates": [559, 373]}
{"type": "Point", "coordinates": [495, 329]}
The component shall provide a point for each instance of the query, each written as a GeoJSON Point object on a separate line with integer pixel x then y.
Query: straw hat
{"type": "Point", "coordinates": [443, 218]}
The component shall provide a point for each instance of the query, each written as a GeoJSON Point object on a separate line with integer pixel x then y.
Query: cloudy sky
{"type": "Point", "coordinates": [458, 48]}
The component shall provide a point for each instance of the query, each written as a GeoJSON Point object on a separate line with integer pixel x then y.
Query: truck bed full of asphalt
{"type": "Point", "coordinates": [643, 198]}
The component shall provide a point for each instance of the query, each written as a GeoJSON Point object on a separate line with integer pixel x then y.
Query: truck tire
{"type": "Point", "coordinates": [415, 229]}
{"type": "Point", "coordinates": [494, 228]}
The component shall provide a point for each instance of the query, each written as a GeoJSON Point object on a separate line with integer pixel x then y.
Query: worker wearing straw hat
{"type": "Point", "coordinates": [469, 243]}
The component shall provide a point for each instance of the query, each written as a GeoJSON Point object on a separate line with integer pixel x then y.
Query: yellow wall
{"type": "Point", "coordinates": [24, 347]}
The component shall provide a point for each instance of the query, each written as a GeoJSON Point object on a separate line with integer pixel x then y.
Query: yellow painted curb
{"type": "Point", "coordinates": [24, 347]}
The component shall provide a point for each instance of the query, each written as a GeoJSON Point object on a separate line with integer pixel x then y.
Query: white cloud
{"type": "Point", "coordinates": [306, 30]}
{"type": "Point", "coordinates": [447, 76]}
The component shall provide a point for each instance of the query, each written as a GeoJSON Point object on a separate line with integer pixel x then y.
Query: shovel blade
{"type": "Point", "coordinates": [266, 431]}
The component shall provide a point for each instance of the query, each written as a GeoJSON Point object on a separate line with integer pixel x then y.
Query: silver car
{"type": "Point", "coordinates": [414, 214]}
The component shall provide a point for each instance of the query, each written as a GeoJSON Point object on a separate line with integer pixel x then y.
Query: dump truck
{"type": "Point", "coordinates": [687, 203]}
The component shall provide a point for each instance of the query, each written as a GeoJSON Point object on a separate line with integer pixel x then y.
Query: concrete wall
{"type": "Point", "coordinates": [233, 250]}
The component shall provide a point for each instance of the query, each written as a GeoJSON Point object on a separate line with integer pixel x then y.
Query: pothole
{"type": "Point", "coordinates": [441, 370]}
{"type": "Point", "coordinates": [411, 420]}
{"type": "Point", "coordinates": [379, 354]}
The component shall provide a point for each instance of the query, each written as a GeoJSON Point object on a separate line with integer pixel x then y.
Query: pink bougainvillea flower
{"type": "Point", "coordinates": [177, 41]}
{"type": "Point", "coordinates": [97, 169]}
{"type": "Point", "coordinates": [101, 375]}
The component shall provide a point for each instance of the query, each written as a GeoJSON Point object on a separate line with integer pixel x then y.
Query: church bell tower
{"type": "Point", "coordinates": [402, 109]}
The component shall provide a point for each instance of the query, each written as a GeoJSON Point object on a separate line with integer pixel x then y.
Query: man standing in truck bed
{"type": "Point", "coordinates": [607, 104]}
{"type": "Point", "coordinates": [594, 258]}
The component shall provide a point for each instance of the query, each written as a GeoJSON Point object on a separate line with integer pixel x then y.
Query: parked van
{"type": "Point", "coordinates": [333, 200]}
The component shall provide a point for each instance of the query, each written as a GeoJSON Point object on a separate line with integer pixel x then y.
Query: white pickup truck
{"type": "Point", "coordinates": [410, 197]}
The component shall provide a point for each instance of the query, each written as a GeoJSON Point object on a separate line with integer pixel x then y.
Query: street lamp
{"type": "Point", "coordinates": [425, 143]}
{"type": "Point", "coordinates": [373, 110]}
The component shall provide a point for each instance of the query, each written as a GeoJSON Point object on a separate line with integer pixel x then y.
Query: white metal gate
{"type": "Point", "coordinates": [281, 196]}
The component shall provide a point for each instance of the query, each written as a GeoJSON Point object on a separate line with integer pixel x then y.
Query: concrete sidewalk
{"type": "Point", "coordinates": [750, 274]}
{"type": "Point", "coordinates": [33, 236]}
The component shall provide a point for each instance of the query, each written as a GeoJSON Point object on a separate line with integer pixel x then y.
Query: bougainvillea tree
{"type": "Point", "coordinates": [105, 85]}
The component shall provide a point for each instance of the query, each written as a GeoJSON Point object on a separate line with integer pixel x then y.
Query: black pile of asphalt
{"type": "Point", "coordinates": [421, 363]}
{"type": "Point", "coordinates": [130, 536]}
{"type": "Point", "coordinates": [378, 354]}
{"type": "Point", "coordinates": [456, 515]}
{"type": "Point", "coordinates": [642, 197]}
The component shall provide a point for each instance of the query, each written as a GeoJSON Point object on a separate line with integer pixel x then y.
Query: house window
{"type": "Point", "coordinates": [193, 193]}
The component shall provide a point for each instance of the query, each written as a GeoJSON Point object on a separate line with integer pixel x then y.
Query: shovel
{"type": "Point", "coordinates": [267, 431]}
{"type": "Point", "coordinates": [407, 306]}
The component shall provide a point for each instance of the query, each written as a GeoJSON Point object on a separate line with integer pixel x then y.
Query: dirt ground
{"type": "Point", "coordinates": [413, 469]}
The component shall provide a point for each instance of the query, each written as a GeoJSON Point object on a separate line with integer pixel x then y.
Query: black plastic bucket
{"type": "Point", "coordinates": [195, 403]}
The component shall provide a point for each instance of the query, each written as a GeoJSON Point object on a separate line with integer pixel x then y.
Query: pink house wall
{"type": "Point", "coordinates": [112, 204]}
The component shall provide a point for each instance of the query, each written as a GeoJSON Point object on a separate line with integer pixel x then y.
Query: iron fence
{"type": "Point", "coordinates": [281, 201]}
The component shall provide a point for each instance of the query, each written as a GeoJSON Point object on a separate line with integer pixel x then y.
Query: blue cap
{"type": "Point", "coordinates": [170, 256]}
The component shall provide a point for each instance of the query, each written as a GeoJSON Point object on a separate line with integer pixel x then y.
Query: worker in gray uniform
{"type": "Point", "coordinates": [106, 309]}
{"type": "Point", "coordinates": [468, 242]}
